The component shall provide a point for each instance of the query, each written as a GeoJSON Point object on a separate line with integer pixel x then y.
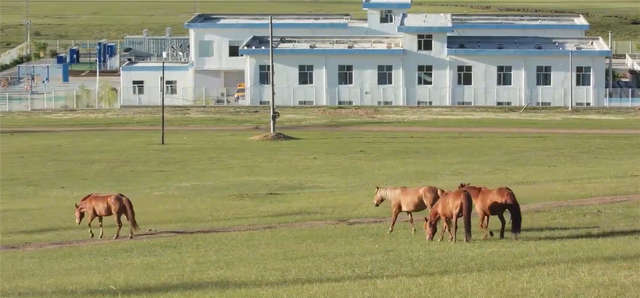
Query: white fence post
{"type": "Point", "coordinates": [45, 99]}
{"type": "Point", "coordinates": [7, 102]}
{"type": "Point", "coordinates": [53, 102]}
{"type": "Point", "coordinates": [29, 101]}
{"type": "Point", "coordinates": [204, 99]}
{"type": "Point", "coordinates": [630, 91]}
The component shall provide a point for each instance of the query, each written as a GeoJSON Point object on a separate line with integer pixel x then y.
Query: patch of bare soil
{"type": "Point", "coordinates": [270, 137]}
{"type": "Point", "coordinates": [348, 111]}
{"type": "Point", "coordinates": [152, 234]}
{"type": "Point", "coordinates": [330, 128]}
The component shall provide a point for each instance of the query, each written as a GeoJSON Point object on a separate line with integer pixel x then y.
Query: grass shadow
{"type": "Point", "coordinates": [214, 285]}
{"type": "Point", "coordinates": [552, 229]}
{"type": "Point", "coordinates": [596, 235]}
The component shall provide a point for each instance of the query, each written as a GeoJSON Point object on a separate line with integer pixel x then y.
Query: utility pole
{"type": "Point", "coordinates": [162, 89]}
{"type": "Point", "coordinates": [610, 65]}
{"type": "Point", "coordinates": [27, 28]}
{"type": "Point", "coordinates": [271, 78]}
{"type": "Point", "coordinates": [570, 80]}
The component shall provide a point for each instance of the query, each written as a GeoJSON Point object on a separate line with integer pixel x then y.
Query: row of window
{"type": "Point", "coordinates": [425, 75]}
{"type": "Point", "coordinates": [170, 87]}
{"type": "Point", "coordinates": [205, 48]}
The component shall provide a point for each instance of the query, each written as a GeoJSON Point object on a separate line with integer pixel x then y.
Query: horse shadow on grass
{"type": "Point", "coordinates": [554, 229]}
{"type": "Point", "coordinates": [223, 284]}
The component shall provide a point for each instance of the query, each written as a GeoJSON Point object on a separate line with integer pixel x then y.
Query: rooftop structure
{"type": "Point", "coordinates": [519, 21]}
{"type": "Point", "coordinates": [324, 45]}
{"type": "Point", "coordinates": [280, 21]}
{"type": "Point", "coordinates": [386, 4]}
{"type": "Point", "coordinates": [531, 46]}
{"type": "Point", "coordinates": [427, 22]}
{"type": "Point", "coordinates": [156, 66]}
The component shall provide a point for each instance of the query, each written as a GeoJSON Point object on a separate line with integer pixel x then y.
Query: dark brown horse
{"type": "Point", "coordinates": [495, 202]}
{"type": "Point", "coordinates": [451, 206]}
{"type": "Point", "coordinates": [407, 199]}
{"type": "Point", "coordinates": [106, 205]}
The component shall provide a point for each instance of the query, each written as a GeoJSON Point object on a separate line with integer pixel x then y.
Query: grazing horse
{"type": "Point", "coordinates": [495, 202]}
{"type": "Point", "coordinates": [451, 206]}
{"type": "Point", "coordinates": [106, 205]}
{"type": "Point", "coordinates": [405, 199]}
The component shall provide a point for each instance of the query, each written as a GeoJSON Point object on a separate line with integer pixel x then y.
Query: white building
{"type": "Point", "coordinates": [392, 58]}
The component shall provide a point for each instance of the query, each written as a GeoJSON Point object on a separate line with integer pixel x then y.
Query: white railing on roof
{"type": "Point", "coordinates": [630, 60]}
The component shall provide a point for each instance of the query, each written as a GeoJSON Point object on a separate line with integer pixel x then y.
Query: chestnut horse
{"type": "Point", "coordinates": [106, 205]}
{"type": "Point", "coordinates": [405, 199]}
{"type": "Point", "coordinates": [494, 202]}
{"type": "Point", "coordinates": [451, 206]}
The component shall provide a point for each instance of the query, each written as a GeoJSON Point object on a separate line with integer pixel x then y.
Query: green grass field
{"type": "Point", "coordinates": [206, 179]}
{"type": "Point", "coordinates": [90, 19]}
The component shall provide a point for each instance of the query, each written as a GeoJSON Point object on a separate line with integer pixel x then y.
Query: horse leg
{"type": "Point", "coordinates": [502, 224]}
{"type": "Point", "coordinates": [91, 217]}
{"type": "Point", "coordinates": [119, 222]}
{"type": "Point", "coordinates": [487, 227]}
{"type": "Point", "coordinates": [448, 221]}
{"type": "Point", "coordinates": [455, 227]}
{"type": "Point", "coordinates": [100, 222]}
{"type": "Point", "coordinates": [413, 226]}
{"type": "Point", "coordinates": [444, 229]}
{"type": "Point", "coordinates": [394, 217]}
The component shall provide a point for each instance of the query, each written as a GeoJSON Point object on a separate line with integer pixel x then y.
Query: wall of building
{"type": "Point", "coordinates": [151, 94]}
{"type": "Point", "coordinates": [444, 90]}
{"type": "Point", "coordinates": [222, 37]}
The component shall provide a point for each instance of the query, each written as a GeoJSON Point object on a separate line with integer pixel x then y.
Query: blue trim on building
{"type": "Point", "coordinates": [240, 25]}
{"type": "Point", "coordinates": [252, 52]}
{"type": "Point", "coordinates": [425, 29]}
{"type": "Point", "coordinates": [624, 100]}
{"type": "Point", "coordinates": [522, 26]}
{"type": "Point", "coordinates": [391, 6]}
{"type": "Point", "coordinates": [532, 52]}
{"type": "Point", "coordinates": [142, 67]}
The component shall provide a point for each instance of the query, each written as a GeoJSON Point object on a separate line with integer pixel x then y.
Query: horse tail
{"type": "Point", "coordinates": [466, 214]}
{"type": "Point", "coordinates": [516, 215]}
{"type": "Point", "coordinates": [131, 215]}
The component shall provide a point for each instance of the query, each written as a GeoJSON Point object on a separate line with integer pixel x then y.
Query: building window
{"type": "Point", "coordinates": [234, 48]}
{"type": "Point", "coordinates": [265, 74]}
{"type": "Point", "coordinates": [505, 75]}
{"type": "Point", "coordinates": [385, 74]}
{"type": "Point", "coordinates": [345, 74]}
{"type": "Point", "coordinates": [543, 75]}
{"type": "Point", "coordinates": [583, 76]}
{"type": "Point", "coordinates": [305, 75]}
{"type": "Point", "coordinates": [138, 87]}
{"type": "Point", "coordinates": [465, 75]}
{"type": "Point", "coordinates": [205, 48]}
{"type": "Point", "coordinates": [425, 75]}
{"type": "Point", "coordinates": [386, 17]}
{"type": "Point", "coordinates": [171, 87]}
{"type": "Point", "coordinates": [425, 42]}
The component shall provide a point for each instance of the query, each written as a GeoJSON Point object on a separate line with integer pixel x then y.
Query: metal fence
{"type": "Point", "coordinates": [621, 47]}
{"type": "Point", "coordinates": [111, 97]}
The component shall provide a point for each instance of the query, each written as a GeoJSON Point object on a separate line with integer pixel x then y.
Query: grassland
{"type": "Point", "coordinates": [204, 179]}
{"type": "Point", "coordinates": [590, 118]}
{"type": "Point", "coordinates": [75, 19]}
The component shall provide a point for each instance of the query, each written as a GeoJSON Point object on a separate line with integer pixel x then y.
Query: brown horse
{"type": "Point", "coordinates": [405, 199]}
{"type": "Point", "coordinates": [106, 205]}
{"type": "Point", "coordinates": [495, 202]}
{"type": "Point", "coordinates": [451, 206]}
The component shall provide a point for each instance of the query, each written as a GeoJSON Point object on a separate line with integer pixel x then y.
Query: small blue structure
{"type": "Point", "coordinates": [65, 72]}
{"type": "Point", "coordinates": [74, 55]}
{"type": "Point", "coordinates": [61, 59]}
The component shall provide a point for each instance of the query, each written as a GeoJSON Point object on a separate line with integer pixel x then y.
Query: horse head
{"type": "Point", "coordinates": [378, 197]}
{"type": "Point", "coordinates": [430, 227]}
{"type": "Point", "coordinates": [79, 214]}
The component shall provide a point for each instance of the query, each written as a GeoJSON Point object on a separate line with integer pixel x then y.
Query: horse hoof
{"type": "Point", "coordinates": [491, 234]}
{"type": "Point", "coordinates": [130, 237]}
{"type": "Point", "coordinates": [91, 236]}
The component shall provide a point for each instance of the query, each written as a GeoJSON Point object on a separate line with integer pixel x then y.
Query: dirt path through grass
{"type": "Point", "coordinates": [326, 128]}
{"type": "Point", "coordinates": [153, 234]}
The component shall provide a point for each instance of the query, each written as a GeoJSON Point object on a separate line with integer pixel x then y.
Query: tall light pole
{"type": "Point", "coordinates": [271, 78]}
{"type": "Point", "coordinates": [570, 80]}
{"type": "Point", "coordinates": [162, 87]}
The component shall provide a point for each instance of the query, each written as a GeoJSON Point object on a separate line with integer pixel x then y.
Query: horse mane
{"type": "Point", "coordinates": [85, 197]}
{"type": "Point", "coordinates": [389, 193]}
